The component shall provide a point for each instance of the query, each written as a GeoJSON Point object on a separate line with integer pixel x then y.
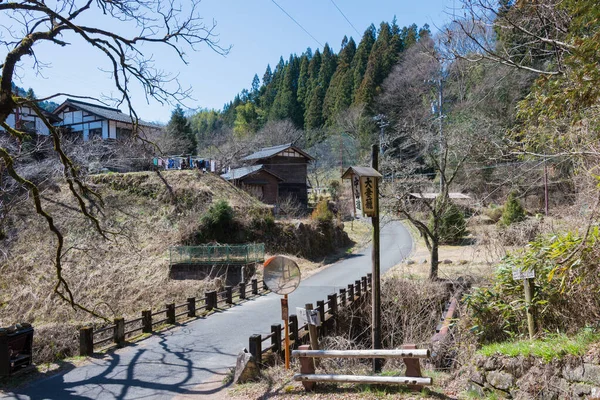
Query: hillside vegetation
{"type": "Point", "coordinates": [145, 213]}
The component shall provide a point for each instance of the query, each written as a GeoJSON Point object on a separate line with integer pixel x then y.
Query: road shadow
{"type": "Point", "coordinates": [169, 371]}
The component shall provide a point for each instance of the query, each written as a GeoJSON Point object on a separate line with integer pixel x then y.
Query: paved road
{"type": "Point", "coordinates": [175, 364]}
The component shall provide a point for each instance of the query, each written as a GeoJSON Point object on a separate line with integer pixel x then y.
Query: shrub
{"type": "Point", "coordinates": [453, 226]}
{"type": "Point", "coordinates": [513, 211]}
{"type": "Point", "coordinates": [334, 190]}
{"type": "Point", "coordinates": [494, 212]}
{"type": "Point", "coordinates": [322, 213]}
{"type": "Point", "coordinates": [218, 221]}
{"type": "Point", "coordinates": [261, 218]}
{"type": "Point", "coordinates": [565, 296]}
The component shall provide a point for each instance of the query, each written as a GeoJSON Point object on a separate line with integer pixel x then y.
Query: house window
{"type": "Point", "coordinates": [124, 134]}
{"type": "Point", "coordinates": [95, 134]}
{"type": "Point", "coordinates": [28, 126]}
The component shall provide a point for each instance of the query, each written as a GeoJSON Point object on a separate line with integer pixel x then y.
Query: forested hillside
{"type": "Point", "coordinates": [313, 89]}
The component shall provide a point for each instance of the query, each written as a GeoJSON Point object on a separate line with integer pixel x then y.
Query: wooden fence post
{"type": "Point", "coordinates": [147, 321]}
{"type": "Point", "coordinates": [276, 338]}
{"type": "Point", "coordinates": [171, 313]}
{"type": "Point", "coordinates": [370, 280]}
{"type": "Point", "coordinates": [228, 295]}
{"type": "Point", "coordinates": [312, 331]}
{"type": "Point", "coordinates": [321, 309]}
{"type": "Point", "coordinates": [211, 300]}
{"type": "Point", "coordinates": [364, 284]}
{"type": "Point", "coordinates": [294, 331]}
{"type": "Point", "coordinates": [350, 293]}
{"type": "Point", "coordinates": [342, 297]}
{"type": "Point", "coordinates": [119, 331]}
{"type": "Point", "coordinates": [255, 345]}
{"type": "Point", "coordinates": [5, 364]}
{"type": "Point", "coordinates": [242, 290]}
{"type": "Point", "coordinates": [86, 341]}
{"type": "Point", "coordinates": [357, 288]}
{"type": "Point", "coordinates": [191, 307]}
{"type": "Point", "coordinates": [255, 287]}
{"type": "Point", "coordinates": [264, 286]}
{"type": "Point", "coordinates": [332, 304]}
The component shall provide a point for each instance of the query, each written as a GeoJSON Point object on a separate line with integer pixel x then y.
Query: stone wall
{"type": "Point", "coordinates": [231, 274]}
{"type": "Point", "coordinates": [532, 378]}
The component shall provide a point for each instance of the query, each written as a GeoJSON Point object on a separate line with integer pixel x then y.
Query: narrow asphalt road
{"type": "Point", "coordinates": [176, 363]}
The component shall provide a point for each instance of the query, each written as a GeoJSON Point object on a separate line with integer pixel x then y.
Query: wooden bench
{"type": "Point", "coordinates": [409, 354]}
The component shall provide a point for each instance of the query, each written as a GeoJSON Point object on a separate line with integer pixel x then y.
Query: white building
{"type": "Point", "coordinates": [92, 121]}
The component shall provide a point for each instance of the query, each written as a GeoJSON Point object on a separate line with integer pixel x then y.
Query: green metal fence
{"type": "Point", "coordinates": [218, 254]}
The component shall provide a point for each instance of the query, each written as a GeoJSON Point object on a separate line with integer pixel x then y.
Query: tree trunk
{"type": "Point", "coordinates": [433, 271]}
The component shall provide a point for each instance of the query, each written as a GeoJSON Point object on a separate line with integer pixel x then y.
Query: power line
{"type": "Point", "coordinates": [346, 18]}
{"type": "Point", "coordinates": [297, 23]}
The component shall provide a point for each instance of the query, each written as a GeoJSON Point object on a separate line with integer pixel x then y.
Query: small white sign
{"type": "Point", "coordinates": [519, 274]}
{"type": "Point", "coordinates": [311, 317]}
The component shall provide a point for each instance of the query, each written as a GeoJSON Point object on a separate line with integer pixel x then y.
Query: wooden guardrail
{"type": "Point", "coordinates": [410, 355]}
{"type": "Point", "coordinates": [328, 311]}
{"type": "Point", "coordinates": [121, 329]}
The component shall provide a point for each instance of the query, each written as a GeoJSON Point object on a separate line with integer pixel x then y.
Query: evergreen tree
{"type": "Point", "coordinates": [362, 58]}
{"type": "Point", "coordinates": [314, 67]}
{"type": "Point", "coordinates": [286, 103]}
{"type": "Point", "coordinates": [179, 129]}
{"type": "Point", "coordinates": [268, 76]}
{"type": "Point", "coordinates": [313, 117]}
{"type": "Point", "coordinates": [30, 94]}
{"type": "Point", "coordinates": [339, 94]}
{"type": "Point", "coordinates": [255, 89]}
{"type": "Point", "coordinates": [375, 72]}
{"type": "Point", "coordinates": [303, 83]}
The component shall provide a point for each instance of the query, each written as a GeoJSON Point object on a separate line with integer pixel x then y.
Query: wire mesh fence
{"type": "Point", "coordinates": [218, 254]}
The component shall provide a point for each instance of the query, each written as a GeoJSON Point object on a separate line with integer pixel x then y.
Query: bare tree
{"type": "Point", "coordinates": [32, 22]}
{"type": "Point", "coordinates": [418, 149]}
{"type": "Point", "coordinates": [524, 35]}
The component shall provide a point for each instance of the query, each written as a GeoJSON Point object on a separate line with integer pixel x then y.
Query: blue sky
{"type": "Point", "coordinates": [259, 33]}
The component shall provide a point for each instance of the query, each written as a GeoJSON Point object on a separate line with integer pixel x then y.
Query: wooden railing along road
{"type": "Point", "coordinates": [328, 311]}
{"type": "Point", "coordinates": [120, 330]}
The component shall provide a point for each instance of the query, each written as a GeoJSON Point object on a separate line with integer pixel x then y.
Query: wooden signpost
{"type": "Point", "coordinates": [368, 182]}
{"type": "Point", "coordinates": [527, 277]}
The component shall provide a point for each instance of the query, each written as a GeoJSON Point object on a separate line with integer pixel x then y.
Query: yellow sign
{"type": "Point", "coordinates": [368, 186]}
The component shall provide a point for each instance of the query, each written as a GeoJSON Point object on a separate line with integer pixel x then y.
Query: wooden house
{"type": "Point", "coordinates": [256, 180]}
{"type": "Point", "coordinates": [290, 164]}
{"type": "Point", "coordinates": [94, 122]}
{"type": "Point", "coordinates": [25, 119]}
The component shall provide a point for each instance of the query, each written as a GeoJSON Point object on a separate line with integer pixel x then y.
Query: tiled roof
{"type": "Point", "coordinates": [271, 151]}
{"type": "Point", "coordinates": [102, 111]}
{"type": "Point", "coordinates": [239, 173]}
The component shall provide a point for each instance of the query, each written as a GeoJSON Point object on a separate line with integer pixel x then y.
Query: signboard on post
{"type": "Point", "coordinates": [310, 317]}
{"type": "Point", "coordinates": [518, 274]}
{"type": "Point", "coordinates": [367, 195]}
{"type": "Point", "coordinates": [364, 187]}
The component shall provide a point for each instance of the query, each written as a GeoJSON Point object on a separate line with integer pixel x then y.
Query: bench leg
{"type": "Point", "coordinates": [307, 366]}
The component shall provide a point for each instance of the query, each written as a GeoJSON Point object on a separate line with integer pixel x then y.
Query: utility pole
{"type": "Point", "coordinates": [376, 289]}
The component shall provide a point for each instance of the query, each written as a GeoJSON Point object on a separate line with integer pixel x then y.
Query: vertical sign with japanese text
{"type": "Point", "coordinates": [367, 194]}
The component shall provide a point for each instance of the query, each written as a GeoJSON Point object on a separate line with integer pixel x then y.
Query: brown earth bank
{"type": "Point", "coordinates": [143, 215]}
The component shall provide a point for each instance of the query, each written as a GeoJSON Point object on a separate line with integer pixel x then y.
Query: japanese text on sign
{"type": "Point", "coordinates": [367, 191]}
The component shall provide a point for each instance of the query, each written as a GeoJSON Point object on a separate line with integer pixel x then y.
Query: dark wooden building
{"type": "Point", "coordinates": [256, 180]}
{"type": "Point", "coordinates": [273, 173]}
{"type": "Point", "coordinates": [289, 163]}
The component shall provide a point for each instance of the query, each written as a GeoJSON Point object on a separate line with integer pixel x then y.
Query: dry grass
{"type": "Point", "coordinates": [277, 383]}
{"type": "Point", "coordinates": [116, 277]}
